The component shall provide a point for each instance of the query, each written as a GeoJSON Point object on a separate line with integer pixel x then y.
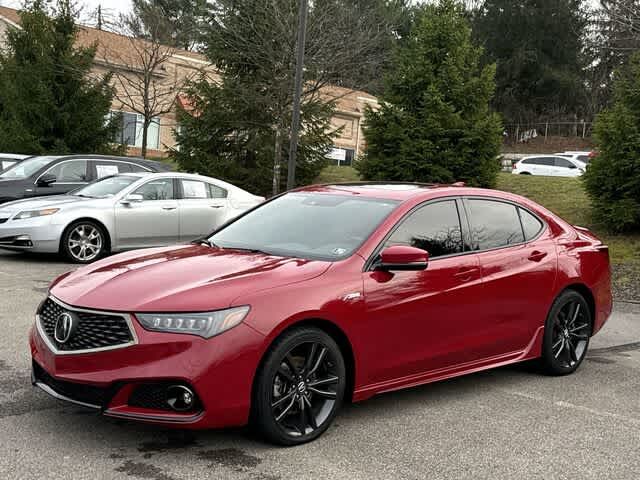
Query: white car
{"type": "Point", "coordinates": [549, 165]}
{"type": "Point", "coordinates": [8, 160]}
{"type": "Point", "coordinates": [122, 212]}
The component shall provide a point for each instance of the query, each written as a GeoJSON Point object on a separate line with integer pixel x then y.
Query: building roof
{"type": "Point", "coordinates": [112, 48]}
{"type": "Point", "coordinates": [115, 50]}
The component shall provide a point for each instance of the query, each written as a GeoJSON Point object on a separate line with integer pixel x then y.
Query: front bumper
{"type": "Point", "coordinates": [220, 371]}
{"type": "Point", "coordinates": [34, 235]}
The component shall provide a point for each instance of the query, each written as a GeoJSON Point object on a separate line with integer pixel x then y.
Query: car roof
{"type": "Point", "coordinates": [399, 191]}
{"type": "Point", "coordinates": [152, 164]}
{"type": "Point", "coordinates": [13, 156]}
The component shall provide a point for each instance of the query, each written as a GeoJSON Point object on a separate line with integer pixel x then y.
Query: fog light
{"type": "Point", "coordinates": [180, 398]}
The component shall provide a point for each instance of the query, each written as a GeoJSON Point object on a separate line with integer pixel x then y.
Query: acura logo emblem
{"type": "Point", "coordinates": [65, 326]}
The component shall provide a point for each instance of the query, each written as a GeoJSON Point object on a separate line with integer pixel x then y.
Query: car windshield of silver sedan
{"type": "Point", "coordinates": [27, 168]}
{"type": "Point", "coordinates": [306, 225]}
{"type": "Point", "coordinates": [105, 188]}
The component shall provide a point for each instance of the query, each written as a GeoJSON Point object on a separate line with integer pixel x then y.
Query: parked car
{"type": "Point", "coordinates": [122, 212]}
{"type": "Point", "coordinates": [50, 175]}
{"type": "Point", "coordinates": [8, 160]}
{"type": "Point", "coordinates": [549, 165]}
{"type": "Point", "coordinates": [319, 296]}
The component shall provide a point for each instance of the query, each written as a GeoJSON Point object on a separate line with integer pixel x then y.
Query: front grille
{"type": "Point", "coordinates": [88, 394]}
{"type": "Point", "coordinates": [93, 330]}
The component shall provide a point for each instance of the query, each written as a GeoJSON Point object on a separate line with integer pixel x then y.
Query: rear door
{"type": "Point", "coordinates": [203, 207]}
{"type": "Point", "coordinates": [155, 221]}
{"type": "Point", "coordinates": [518, 261]}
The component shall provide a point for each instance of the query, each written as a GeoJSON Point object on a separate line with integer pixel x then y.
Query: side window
{"type": "Point", "coordinates": [106, 168]}
{"type": "Point", "coordinates": [217, 192]}
{"type": "Point", "coordinates": [193, 189]}
{"type": "Point", "coordinates": [136, 168]}
{"type": "Point", "coordinates": [530, 224]}
{"type": "Point", "coordinates": [161, 189]}
{"type": "Point", "coordinates": [74, 171]}
{"type": "Point", "coordinates": [494, 224]}
{"type": "Point", "coordinates": [434, 228]}
{"type": "Point", "coordinates": [546, 161]}
{"type": "Point", "coordinates": [563, 163]}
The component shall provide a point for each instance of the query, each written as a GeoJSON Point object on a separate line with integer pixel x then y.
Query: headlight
{"type": "Point", "coordinates": [36, 213]}
{"type": "Point", "coordinates": [205, 325]}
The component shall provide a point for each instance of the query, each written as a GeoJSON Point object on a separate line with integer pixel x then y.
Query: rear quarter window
{"type": "Point", "coordinates": [531, 225]}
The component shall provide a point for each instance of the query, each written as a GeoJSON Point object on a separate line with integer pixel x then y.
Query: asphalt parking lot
{"type": "Point", "coordinates": [508, 423]}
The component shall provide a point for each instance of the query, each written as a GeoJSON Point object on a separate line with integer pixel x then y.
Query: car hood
{"type": "Point", "coordinates": [188, 278]}
{"type": "Point", "coordinates": [39, 203]}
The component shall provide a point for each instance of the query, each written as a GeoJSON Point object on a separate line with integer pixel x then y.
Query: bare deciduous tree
{"type": "Point", "coordinates": [146, 82]}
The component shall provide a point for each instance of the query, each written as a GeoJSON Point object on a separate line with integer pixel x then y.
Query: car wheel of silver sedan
{"type": "Point", "coordinates": [84, 242]}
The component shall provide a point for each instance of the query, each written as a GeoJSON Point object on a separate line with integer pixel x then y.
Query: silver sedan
{"type": "Point", "coordinates": [122, 212]}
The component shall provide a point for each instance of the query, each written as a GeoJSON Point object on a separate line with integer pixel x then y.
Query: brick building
{"type": "Point", "coordinates": [121, 55]}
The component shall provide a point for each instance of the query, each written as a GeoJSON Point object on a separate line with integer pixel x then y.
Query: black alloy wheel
{"type": "Point", "coordinates": [300, 387]}
{"type": "Point", "coordinates": [567, 334]}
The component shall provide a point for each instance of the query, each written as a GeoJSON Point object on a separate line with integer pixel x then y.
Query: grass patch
{"type": "Point", "coordinates": [567, 198]}
{"type": "Point", "coordinates": [336, 174]}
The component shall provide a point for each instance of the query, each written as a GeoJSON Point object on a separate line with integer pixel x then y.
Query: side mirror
{"type": "Point", "coordinates": [133, 198]}
{"type": "Point", "coordinates": [402, 258]}
{"type": "Point", "coordinates": [47, 179]}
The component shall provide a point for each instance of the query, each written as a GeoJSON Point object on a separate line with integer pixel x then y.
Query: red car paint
{"type": "Point", "coordinates": [462, 314]}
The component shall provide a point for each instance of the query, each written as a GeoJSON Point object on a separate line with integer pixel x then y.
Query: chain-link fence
{"type": "Point", "coordinates": [526, 132]}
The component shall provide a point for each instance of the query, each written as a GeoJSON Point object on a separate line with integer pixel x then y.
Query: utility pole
{"type": "Point", "coordinates": [100, 16]}
{"type": "Point", "coordinates": [297, 94]}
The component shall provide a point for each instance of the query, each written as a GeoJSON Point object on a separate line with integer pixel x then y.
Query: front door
{"type": "Point", "coordinates": [154, 221]}
{"type": "Point", "coordinates": [70, 175]}
{"type": "Point", "coordinates": [425, 320]}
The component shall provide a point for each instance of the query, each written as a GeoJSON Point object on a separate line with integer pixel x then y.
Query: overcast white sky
{"type": "Point", "coordinates": [110, 6]}
{"type": "Point", "coordinates": [117, 6]}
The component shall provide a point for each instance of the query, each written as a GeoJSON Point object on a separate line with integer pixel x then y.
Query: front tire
{"type": "Point", "coordinates": [299, 387]}
{"type": "Point", "coordinates": [84, 242]}
{"type": "Point", "coordinates": [566, 335]}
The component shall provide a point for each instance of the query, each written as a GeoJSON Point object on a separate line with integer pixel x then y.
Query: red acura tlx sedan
{"type": "Point", "coordinates": [319, 296]}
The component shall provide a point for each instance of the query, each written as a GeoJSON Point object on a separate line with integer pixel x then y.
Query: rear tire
{"type": "Point", "coordinates": [566, 334]}
{"type": "Point", "coordinates": [84, 242]}
{"type": "Point", "coordinates": [299, 387]}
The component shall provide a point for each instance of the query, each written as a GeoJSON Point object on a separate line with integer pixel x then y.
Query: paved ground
{"type": "Point", "coordinates": [509, 423]}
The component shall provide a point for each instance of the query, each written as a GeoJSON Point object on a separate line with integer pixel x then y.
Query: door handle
{"type": "Point", "coordinates": [215, 206]}
{"type": "Point", "coordinates": [169, 207]}
{"type": "Point", "coordinates": [466, 274]}
{"type": "Point", "coordinates": [537, 256]}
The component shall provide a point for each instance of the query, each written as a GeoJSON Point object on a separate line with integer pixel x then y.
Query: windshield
{"type": "Point", "coordinates": [307, 225]}
{"type": "Point", "coordinates": [28, 167]}
{"type": "Point", "coordinates": [106, 187]}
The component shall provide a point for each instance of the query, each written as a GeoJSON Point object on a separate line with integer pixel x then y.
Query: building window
{"type": "Point", "coordinates": [131, 128]}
